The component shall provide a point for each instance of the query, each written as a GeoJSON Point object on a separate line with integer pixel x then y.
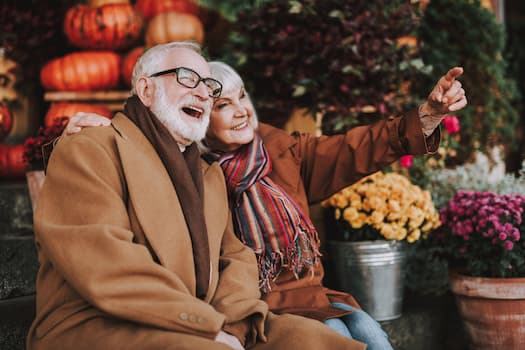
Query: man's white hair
{"type": "Point", "coordinates": [149, 62]}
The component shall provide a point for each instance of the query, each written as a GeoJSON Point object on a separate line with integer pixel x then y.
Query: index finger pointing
{"type": "Point", "coordinates": [453, 73]}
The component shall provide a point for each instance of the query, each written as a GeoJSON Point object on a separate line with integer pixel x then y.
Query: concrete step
{"type": "Point", "coordinates": [18, 269]}
{"type": "Point", "coordinates": [18, 265]}
{"type": "Point", "coordinates": [16, 315]}
{"type": "Point", "coordinates": [16, 215]}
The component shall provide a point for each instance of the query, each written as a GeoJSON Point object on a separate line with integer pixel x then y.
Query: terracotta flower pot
{"type": "Point", "coordinates": [492, 310]}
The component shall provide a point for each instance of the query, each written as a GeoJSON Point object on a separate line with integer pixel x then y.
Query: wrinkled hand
{"type": "Point", "coordinates": [82, 120]}
{"type": "Point", "coordinates": [229, 340]}
{"type": "Point", "coordinates": [447, 96]}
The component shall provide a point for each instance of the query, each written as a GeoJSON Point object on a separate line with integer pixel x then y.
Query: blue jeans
{"type": "Point", "coordinates": [359, 326]}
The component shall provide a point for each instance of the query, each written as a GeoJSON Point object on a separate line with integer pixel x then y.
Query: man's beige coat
{"type": "Point", "coordinates": [116, 264]}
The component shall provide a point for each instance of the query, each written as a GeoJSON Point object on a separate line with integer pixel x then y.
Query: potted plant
{"type": "Point", "coordinates": [37, 150]}
{"type": "Point", "coordinates": [343, 60]}
{"type": "Point", "coordinates": [369, 226]}
{"type": "Point", "coordinates": [483, 234]}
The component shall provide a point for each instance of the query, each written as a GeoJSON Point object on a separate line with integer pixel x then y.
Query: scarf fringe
{"type": "Point", "coordinates": [302, 254]}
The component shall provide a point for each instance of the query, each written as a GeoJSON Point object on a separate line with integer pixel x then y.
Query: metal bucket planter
{"type": "Point", "coordinates": [373, 272]}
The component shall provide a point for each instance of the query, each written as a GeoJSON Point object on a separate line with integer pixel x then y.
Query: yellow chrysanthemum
{"type": "Point", "coordinates": [401, 233]}
{"type": "Point", "coordinates": [394, 206]}
{"type": "Point", "coordinates": [341, 202]}
{"type": "Point", "coordinates": [376, 218]}
{"type": "Point", "coordinates": [350, 214]}
{"type": "Point", "coordinates": [389, 203]}
{"type": "Point", "coordinates": [414, 236]}
{"type": "Point", "coordinates": [359, 222]}
{"type": "Point", "coordinates": [387, 231]}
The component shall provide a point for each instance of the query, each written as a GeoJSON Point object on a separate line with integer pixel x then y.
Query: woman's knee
{"type": "Point", "coordinates": [339, 326]}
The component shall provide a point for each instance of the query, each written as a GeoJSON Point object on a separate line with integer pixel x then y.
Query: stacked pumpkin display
{"type": "Point", "coordinates": [171, 20]}
{"type": "Point", "coordinates": [113, 34]}
{"type": "Point", "coordinates": [12, 163]}
{"type": "Point", "coordinates": [110, 36]}
{"type": "Point", "coordinates": [101, 29]}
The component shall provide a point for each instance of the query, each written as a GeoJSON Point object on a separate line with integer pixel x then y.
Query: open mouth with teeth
{"type": "Point", "coordinates": [240, 126]}
{"type": "Point", "coordinates": [192, 111]}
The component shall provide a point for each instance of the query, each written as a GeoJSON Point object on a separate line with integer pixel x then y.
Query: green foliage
{"type": "Point", "coordinates": [230, 8]}
{"type": "Point", "coordinates": [338, 58]}
{"type": "Point", "coordinates": [426, 269]}
{"type": "Point", "coordinates": [515, 56]}
{"type": "Point", "coordinates": [444, 183]}
{"type": "Point", "coordinates": [461, 32]}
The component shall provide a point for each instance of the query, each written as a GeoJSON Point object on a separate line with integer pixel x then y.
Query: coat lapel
{"type": "Point", "coordinates": [154, 200]}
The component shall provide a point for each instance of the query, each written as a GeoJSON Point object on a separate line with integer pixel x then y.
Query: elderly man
{"type": "Point", "coordinates": [134, 235]}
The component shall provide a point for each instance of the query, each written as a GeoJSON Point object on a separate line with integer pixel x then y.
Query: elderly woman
{"type": "Point", "coordinates": [272, 178]}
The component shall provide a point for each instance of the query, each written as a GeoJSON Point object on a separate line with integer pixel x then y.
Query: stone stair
{"type": "Point", "coordinates": [427, 323]}
{"type": "Point", "coordinates": [18, 265]}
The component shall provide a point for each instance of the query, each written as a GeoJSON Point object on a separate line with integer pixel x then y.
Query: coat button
{"type": "Point", "coordinates": [192, 318]}
{"type": "Point", "coordinates": [183, 316]}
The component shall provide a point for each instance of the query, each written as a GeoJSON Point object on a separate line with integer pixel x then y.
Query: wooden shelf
{"type": "Point", "coordinates": [113, 99]}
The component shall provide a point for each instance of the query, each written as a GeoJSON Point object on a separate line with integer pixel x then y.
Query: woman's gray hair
{"type": "Point", "coordinates": [149, 62]}
{"type": "Point", "coordinates": [231, 81]}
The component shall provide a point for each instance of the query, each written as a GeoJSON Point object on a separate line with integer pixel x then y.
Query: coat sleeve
{"type": "Point", "coordinates": [83, 228]}
{"type": "Point", "coordinates": [330, 163]}
{"type": "Point", "coordinates": [238, 295]}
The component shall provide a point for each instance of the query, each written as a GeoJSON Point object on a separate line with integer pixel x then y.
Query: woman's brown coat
{"type": "Point", "coordinates": [311, 169]}
{"type": "Point", "coordinates": [116, 264]}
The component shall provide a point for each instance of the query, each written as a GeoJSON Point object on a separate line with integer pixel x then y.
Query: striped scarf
{"type": "Point", "coordinates": [265, 217]}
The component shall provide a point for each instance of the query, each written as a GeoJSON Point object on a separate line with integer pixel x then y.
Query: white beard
{"type": "Point", "coordinates": [178, 125]}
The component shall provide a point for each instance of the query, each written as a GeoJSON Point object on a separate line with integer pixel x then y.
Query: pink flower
{"type": "Point", "coordinates": [451, 123]}
{"type": "Point", "coordinates": [508, 245]}
{"type": "Point", "coordinates": [382, 108]}
{"type": "Point", "coordinates": [406, 161]}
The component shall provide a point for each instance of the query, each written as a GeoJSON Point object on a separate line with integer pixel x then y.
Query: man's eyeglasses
{"type": "Point", "coordinates": [191, 79]}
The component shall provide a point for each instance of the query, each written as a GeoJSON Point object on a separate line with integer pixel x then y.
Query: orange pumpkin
{"type": "Point", "coordinates": [128, 63]}
{"type": "Point", "coordinates": [82, 71]}
{"type": "Point", "coordinates": [66, 109]}
{"type": "Point", "coordinates": [6, 120]}
{"type": "Point", "coordinates": [172, 26]}
{"type": "Point", "coordinates": [12, 162]}
{"type": "Point", "coordinates": [151, 8]}
{"type": "Point", "coordinates": [111, 26]}
{"type": "Point", "coordinates": [97, 3]}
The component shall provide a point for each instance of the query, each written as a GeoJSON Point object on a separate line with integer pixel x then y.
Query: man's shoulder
{"type": "Point", "coordinates": [104, 135]}
{"type": "Point", "coordinates": [88, 141]}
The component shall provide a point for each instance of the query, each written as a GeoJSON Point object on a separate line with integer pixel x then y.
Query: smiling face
{"type": "Point", "coordinates": [184, 111]}
{"type": "Point", "coordinates": [233, 121]}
